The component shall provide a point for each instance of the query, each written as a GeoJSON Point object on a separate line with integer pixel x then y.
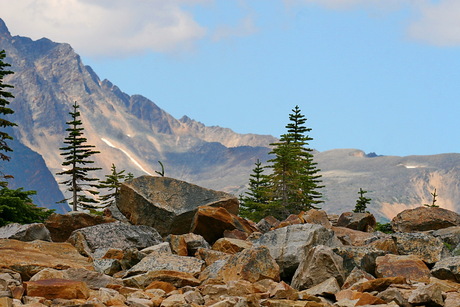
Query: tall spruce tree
{"type": "Point", "coordinates": [77, 155]}
{"type": "Point", "coordinates": [4, 108]}
{"type": "Point", "coordinates": [254, 204]}
{"type": "Point", "coordinates": [112, 183]}
{"type": "Point", "coordinates": [295, 179]}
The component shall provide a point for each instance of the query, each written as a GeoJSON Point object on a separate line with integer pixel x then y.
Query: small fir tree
{"type": "Point", "coordinates": [112, 183]}
{"type": "Point", "coordinates": [254, 204]}
{"type": "Point", "coordinates": [433, 203]}
{"type": "Point", "coordinates": [361, 202]}
{"type": "Point", "coordinates": [77, 154]}
{"type": "Point", "coordinates": [295, 179]}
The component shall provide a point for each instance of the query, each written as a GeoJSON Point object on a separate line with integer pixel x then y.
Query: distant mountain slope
{"type": "Point", "coordinates": [134, 133]}
{"type": "Point", "coordinates": [130, 131]}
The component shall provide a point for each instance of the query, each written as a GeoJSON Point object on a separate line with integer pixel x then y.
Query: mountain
{"type": "Point", "coordinates": [135, 133]}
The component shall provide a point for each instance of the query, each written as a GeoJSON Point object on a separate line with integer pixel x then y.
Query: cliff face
{"type": "Point", "coordinates": [130, 131]}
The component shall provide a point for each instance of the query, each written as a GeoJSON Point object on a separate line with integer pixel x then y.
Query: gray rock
{"type": "Point", "coordinates": [160, 248]}
{"type": "Point", "coordinates": [113, 235]}
{"type": "Point", "coordinates": [361, 257]}
{"type": "Point", "coordinates": [327, 288]}
{"type": "Point", "coordinates": [288, 245]}
{"type": "Point", "coordinates": [447, 268]}
{"type": "Point", "coordinates": [167, 204]}
{"type": "Point", "coordinates": [427, 247]}
{"type": "Point", "coordinates": [319, 264]}
{"type": "Point", "coordinates": [450, 236]}
{"type": "Point", "coordinates": [26, 233]}
{"type": "Point", "coordinates": [94, 280]}
{"type": "Point", "coordinates": [393, 295]}
{"type": "Point", "coordinates": [160, 261]}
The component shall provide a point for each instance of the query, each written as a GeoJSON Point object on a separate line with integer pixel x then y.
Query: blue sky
{"type": "Point", "coordinates": [381, 76]}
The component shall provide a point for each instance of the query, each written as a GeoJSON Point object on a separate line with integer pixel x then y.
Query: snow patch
{"type": "Point", "coordinates": [127, 154]}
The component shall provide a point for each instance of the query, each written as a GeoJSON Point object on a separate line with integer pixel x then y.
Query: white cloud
{"type": "Point", "coordinates": [106, 27]}
{"type": "Point", "coordinates": [439, 23]}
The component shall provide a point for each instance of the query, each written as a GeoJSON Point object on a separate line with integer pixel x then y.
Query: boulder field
{"type": "Point", "coordinates": [215, 258]}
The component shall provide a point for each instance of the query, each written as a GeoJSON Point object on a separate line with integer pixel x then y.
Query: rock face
{"type": "Point", "coordinates": [425, 218]}
{"type": "Point", "coordinates": [288, 245]}
{"type": "Point", "coordinates": [31, 257]}
{"type": "Point", "coordinates": [357, 221]}
{"type": "Point", "coordinates": [61, 226]}
{"type": "Point", "coordinates": [113, 235]}
{"type": "Point", "coordinates": [30, 232]}
{"type": "Point", "coordinates": [167, 204]}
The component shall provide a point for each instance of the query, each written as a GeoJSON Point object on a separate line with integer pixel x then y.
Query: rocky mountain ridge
{"type": "Point", "coordinates": [135, 133]}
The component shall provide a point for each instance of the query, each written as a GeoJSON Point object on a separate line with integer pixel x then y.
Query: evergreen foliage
{"type": "Point", "coordinates": [254, 204]}
{"type": "Point", "coordinates": [5, 110]}
{"type": "Point", "coordinates": [433, 203]}
{"type": "Point", "coordinates": [162, 172]}
{"type": "Point", "coordinates": [112, 184]}
{"type": "Point", "coordinates": [16, 207]}
{"type": "Point", "coordinates": [361, 202]}
{"type": "Point", "coordinates": [77, 154]}
{"type": "Point", "coordinates": [295, 180]}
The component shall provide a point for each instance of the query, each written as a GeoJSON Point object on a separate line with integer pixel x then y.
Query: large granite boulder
{"type": "Point", "coordinates": [424, 218]}
{"type": "Point", "coordinates": [408, 266]}
{"type": "Point", "coordinates": [319, 264]}
{"type": "Point", "coordinates": [113, 235]}
{"type": "Point", "coordinates": [28, 258]}
{"type": "Point", "coordinates": [448, 268]}
{"type": "Point", "coordinates": [430, 249]}
{"type": "Point", "coordinates": [289, 245]}
{"type": "Point", "coordinates": [61, 226]}
{"type": "Point", "coordinates": [169, 205]}
{"type": "Point", "coordinates": [28, 232]}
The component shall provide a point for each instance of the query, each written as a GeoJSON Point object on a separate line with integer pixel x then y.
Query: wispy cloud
{"type": "Point", "coordinates": [115, 27]}
{"type": "Point", "coordinates": [245, 27]}
{"type": "Point", "coordinates": [439, 23]}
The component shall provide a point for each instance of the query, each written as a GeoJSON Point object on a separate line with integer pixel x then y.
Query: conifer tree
{"type": "Point", "coordinates": [112, 184]}
{"type": "Point", "coordinates": [295, 179]}
{"type": "Point", "coordinates": [4, 109]}
{"type": "Point", "coordinates": [254, 204]}
{"type": "Point", "coordinates": [361, 202]}
{"type": "Point", "coordinates": [77, 155]}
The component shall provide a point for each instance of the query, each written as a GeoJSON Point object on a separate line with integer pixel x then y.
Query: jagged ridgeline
{"type": "Point", "coordinates": [134, 133]}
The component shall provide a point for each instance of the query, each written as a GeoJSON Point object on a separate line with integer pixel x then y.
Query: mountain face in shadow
{"type": "Point", "coordinates": [135, 133]}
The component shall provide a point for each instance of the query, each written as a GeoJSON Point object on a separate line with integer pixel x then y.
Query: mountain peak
{"type": "Point", "coordinates": [4, 29]}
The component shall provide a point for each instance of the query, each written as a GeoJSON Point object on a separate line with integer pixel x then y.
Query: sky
{"type": "Point", "coordinates": [382, 76]}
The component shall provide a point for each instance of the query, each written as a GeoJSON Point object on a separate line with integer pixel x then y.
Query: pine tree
{"type": "Point", "coordinates": [295, 178]}
{"type": "Point", "coordinates": [5, 110]}
{"type": "Point", "coordinates": [77, 155]}
{"type": "Point", "coordinates": [112, 184]}
{"type": "Point", "coordinates": [361, 202]}
{"type": "Point", "coordinates": [254, 204]}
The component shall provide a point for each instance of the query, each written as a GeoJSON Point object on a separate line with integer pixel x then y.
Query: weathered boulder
{"type": "Point", "coordinates": [209, 256]}
{"type": "Point", "coordinates": [28, 258]}
{"type": "Point", "coordinates": [424, 218]}
{"type": "Point", "coordinates": [314, 216]}
{"type": "Point", "coordinates": [362, 257]}
{"type": "Point", "coordinates": [355, 237]}
{"type": "Point", "coordinates": [428, 295]}
{"type": "Point", "coordinates": [57, 288]}
{"type": "Point", "coordinates": [267, 223]}
{"type": "Point", "coordinates": [169, 205]}
{"type": "Point", "coordinates": [356, 277]}
{"type": "Point", "coordinates": [61, 226]}
{"type": "Point", "coordinates": [327, 288]}
{"type": "Point", "coordinates": [251, 264]}
{"type": "Point", "coordinates": [187, 244]}
{"type": "Point", "coordinates": [27, 232]}
{"type": "Point", "coordinates": [114, 235]}
{"type": "Point", "coordinates": [450, 236]}
{"type": "Point", "coordinates": [408, 266]}
{"type": "Point", "coordinates": [176, 278]}
{"type": "Point", "coordinates": [427, 247]}
{"type": "Point", "coordinates": [161, 261]}
{"type": "Point", "coordinates": [211, 223]}
{"type": "Point", "coordinates": [380, 284]}
{"type": "Point", "coordinates": [357, 221]}
{"type": "Point", "coordinates": [320, 263]}
{"type": "Point", "coordinates": [93, 280]}
{"type": "Point", "coordinates": [288, 245]}
{"type": "Point", "coordinates": [447, 268]}
{"type": "Point", "coordinates": [230, 246]}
